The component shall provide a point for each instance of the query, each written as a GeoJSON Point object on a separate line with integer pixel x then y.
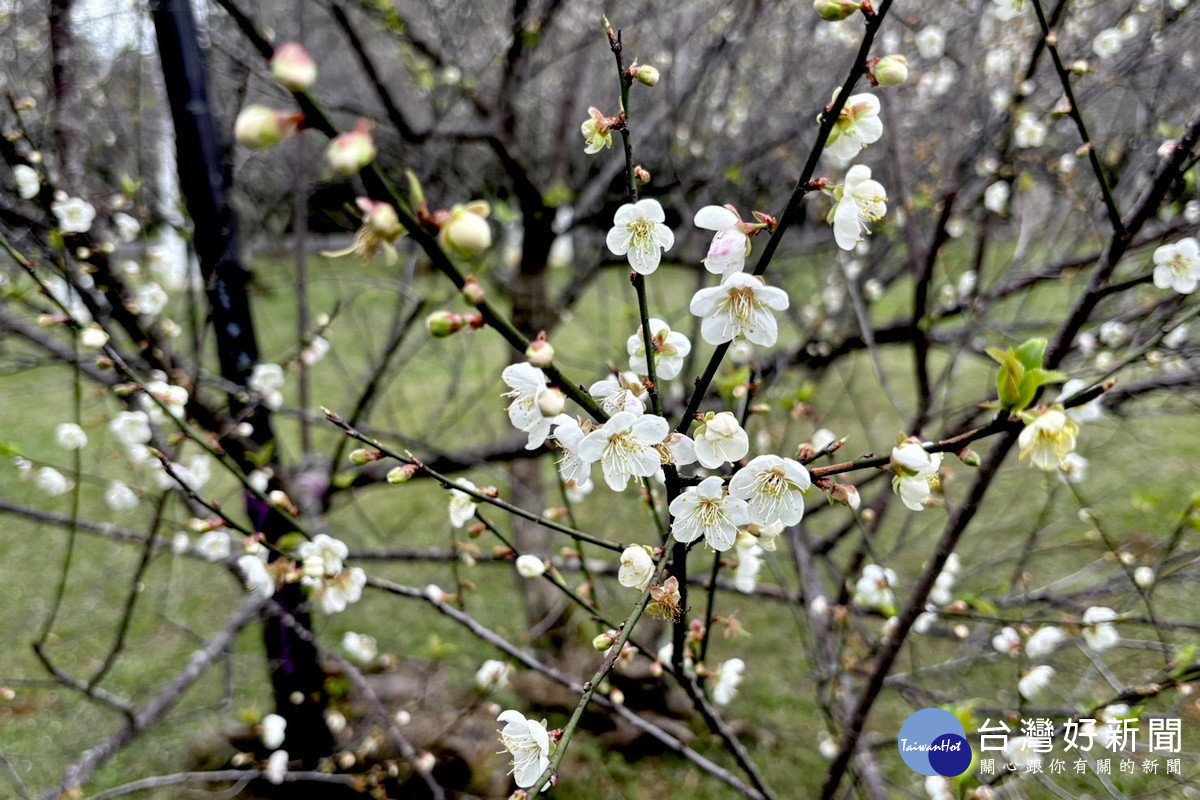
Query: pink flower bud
{"type": "Point", "coordinates": [845, 494]}
{"type": "Point", "coordinates": [604, 641]}
{"type": "Point", "coordinates": [259, 127]}
{"type": "Point", "coordinates": [444, 323]}
{"type": "Point", "coordinates": [641, 175]}
{"type": "Point", "coordinates": [398, 475]}
{"type": "Point", "coordinates": [293, 67]}
{"type": "Point", "coordinates": [381, 218]}
{"type": "Point", "coordinates": [540, 352]}
{"type": "Point", "coordinates": [349, 152]}
{"type": "Point", "coordinates": [472, 291]}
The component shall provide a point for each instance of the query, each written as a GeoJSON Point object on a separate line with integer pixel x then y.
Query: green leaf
{"type": "Point", "coordinates": [1032, 353]}
{"type": "Point", "coordinates": [1008, 382]}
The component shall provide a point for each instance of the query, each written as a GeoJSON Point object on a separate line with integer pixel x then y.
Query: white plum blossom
{"type": "Point", "coordinates": [1030, 131]}
{"type": "Point", "coordinates": [130, 427]}
{"type": "Point", "coordinates": [857, 126]}
{"type": "Point", "coordinates": [492, 674]}
{"type": "Point", "coordinates": [266, 381]}
{"type": "Point", "coordinates": [322, 555]}
{"type": "Point", "coordinates": [1007, 642]}
{"type": "Point", "coordinates": [527, 385]}
{"type": "Point", "coordinates": [127, 227]}
{"type": "Point", "coordinates": [277, 767]}
{"type": "Point", "coordinates": [70, 436]}
{"type": "Point", "coordinates": [773, 489]}
{"type": "Point", "coordinates": [750, 561]}
{"type": "Point", "coordinates": [529, 744]}
{"type": "Point", "coordinates": [930, 42]}
{"type": "Point", "coordinates": [1035, 680]}
{"type": "Point", "coordinates": [624, 446]}
{"type": "Point", "coordinates": [637, 567]}
{"type": "Point", "coordinates": [728, 678]}
{"type": "Point", "coordinates": [28, 182]}
{"type": "Point", "coordinates": [271, 730]}
{"type": "Point", "coordinates": [621, 392]}
{"type": "Point", "coordinates": [1073, 468]}
{"type": "Point", "coordinates": [1107, 43]}
{"type": "Point", "coordinates": [638, 233]}
{"type": "Point", "coordinates": [74, 215]}
{"type": "Point", "coordinates": [175, 399]}
{"type": "Point", "coordinates": [706, 510]}
{"type": "Point", "coordinates": [670, 348]}
{"type": "Point", "coordinates": [1005, 10]}
{"type": "Point", "coordinates": [1089, 411]}
{"type": "Point", "coordinates": [1177, 266]}
{"type": "Point", "coordinates": [1048, 439]}
{"type": "Point", "coordinates": [720, 440]}
{"type": "Point", "coordinates": [995, 197]}
{"type": "Point", "coordinates": [681, 449]}
{"type": "Point", "coordinates": [93, 337]}
{"type": "Point", "coordinates": [1144, 576]}
{"type": "Point", "coordinates": [360, 647]}
{"type": "Point", "coordinates": [874, 588]}
{"type": "Point", "coordinates": [530, 566]}
{"type": "Point", "coordinates": [51, 481]}
{"type": "Point", "coordinates": [860, 200]}
{"type": "Point", "coordinates": [729, 247]}
{"type": "Point", "coordinates": [462, 505]}
{"type": "Point", "coordinates": [214, 545]}
{"type": "Point", "coordinates": [255, 575]}
{"type": "Point", "coordinates": [120, 497]}
{"type": "Point", "coordinates": [571, 467]}
{"type": "Point", "coordinates": [916, 470]}
{"type": "Point", "coordinates": [1098, 631]}
{"type": "Point", "coordinates": [341, 590]}
{"type": "Point", "coordinates": [822, 438]}
{"type": "Point", "coordinates": [151, 299]}
{"type": "Point", "coordinates": [1044, 642]}
{"type": "Point", "coordinates": [739, 308]}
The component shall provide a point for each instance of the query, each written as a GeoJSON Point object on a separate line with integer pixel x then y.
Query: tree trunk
{"type": "Point", "coordinates": [204, 179]}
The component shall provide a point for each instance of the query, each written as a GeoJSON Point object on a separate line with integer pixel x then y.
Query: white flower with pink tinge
{"type": "Point", "coordinates": [730, 246]}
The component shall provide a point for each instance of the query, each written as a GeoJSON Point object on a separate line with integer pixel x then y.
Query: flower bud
{"type": "Point", "coordinates": [467, 232]}
{"type": "Point", "coordinates": [259, 127]}
{"type": "Point", "coordinates": [552, 402]}
{"type": "Point", "coordinates": [891, 70]}
{"type": "Point", "coordinates": [643, 74]}
{"type": "Point", "coordinates": [641, 175]}
{"type": "Point", "coordinates": [530, 566]}
{"type": "Point", "coordinates": [540, 352]}
{"type": "Point", "coordinates": [604, 641]}
{"type": "Point", "coordinates": [443, 323]}
{"type": "Point", "coordinates": [381, 218]}
{"type": "Point", "coordinates": [349, 152]}
{"type": "Point", "coordinates": [363, 456]}
{"type": "Point", "coordinates": [399, 475]}
{"type": "Point", "coordinates": [93, 336]}
{"type": "Point", "coordinates": [834, 10]}
{"type": "Point", "coordinates": [472, 291]}
{"type": "Point", "coordinates": [969, 457]}
{"type": "Point", "coordinates": [846, 494]}
{"type": "Point", "coordinates": [293, 67]}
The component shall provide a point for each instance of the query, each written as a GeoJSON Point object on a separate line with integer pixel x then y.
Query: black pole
{"type": "Point", "coordinates": [204, 179]}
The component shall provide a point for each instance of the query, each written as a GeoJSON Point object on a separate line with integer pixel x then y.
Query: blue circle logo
{"type": "Point", "coordinates": [932, 742]}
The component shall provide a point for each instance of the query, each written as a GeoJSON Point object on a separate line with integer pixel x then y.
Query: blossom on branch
{"type": "Point", "coordinates": [529, 744]}
{"type": "Point", "coordinates": [706, 510]}
{"type": "Point", "coordinates": [739, 308]}
{"type": "Point", "coordinates": [857, 202]}
{"type": "Point", "coordinates": [639, 234]}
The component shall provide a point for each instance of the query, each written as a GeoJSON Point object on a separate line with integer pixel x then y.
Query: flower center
{"type": "Point", "coordinates": [1179, 266]}
{"type": "Point", "coordinates": [740, 304]}
{"type": "Point", "coordinates": [623, 451]}
{"type": "Point", "coordinates": [709, 513]}
{"type": "Point", "coordinates": [641, 234]}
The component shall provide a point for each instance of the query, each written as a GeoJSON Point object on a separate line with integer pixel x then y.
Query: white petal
{"type": "Point", "coordinates": [715, 218]}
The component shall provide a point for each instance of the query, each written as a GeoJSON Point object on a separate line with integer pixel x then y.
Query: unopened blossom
{"type": "Point", "coordinates": [74, 215]}
{"type": "Point", "coordinates": [874, 588]}
{"type": "Point", "coordinates": [293, 67]}
{"type": "Point", "coordinates": [466, 231]}
{"type": "Point", "coordinates": [1044, 642]}
{"type": "Point", "coordinates": [51, 481]}
{"type": "Point", "coordinates": [750, 561]}
{"type": "Point", "coordinates": [638, 233]}
{"type": "Point", "coordinates": [729, 676]}
{"type": "Point", "coordinates": [255, 575]}
{"type": "Point", "coordinates": [739, 308]}
{"type": "Point", "coordinates": [1048, 439]}
{"type": "Point", "coordinates": [625, 447]}
{"type": "Point", "coordinates": [1035, 680]}
{"type": "Point", "coordinates": [720, 440]}
{"type": "Point", "coordinates": [335, 593]}
{"type": "Point", "coordinates": [28, 182]}
{"type": "Point", "coordinates": [1144, 576]}
{"type": "Point", "coordinates": [1107, 43]}
{"type": "Point", "coordinates": [93, 337]}
{"type": "Point", "coordinates": [259, 127]}
{"type": "Point", "coordinates": [597, 131]}
{"type": "Point", "coordinates": [1177, 266]}
{"type": "Point", "coordinates": [930, 42]}
{"type": "Point", "coordinates": [277, 767]}
{"type": "Point", "coordinates": [916, 470]}
{"type": "Point", "coordinates": [528, 743]}
{"type": "Point", "coordinates": [360, 647]}
{"type": "Point", "coordinates": [1113, 333]}
{"type": "Point", "coordinates": [1030, 131]}
{"type": "Point", "coordinates": [322, 555]}
{"type": "Point", "coordinates": [527, 385]}
{"type": "Point", "coordinates": [173, 397]}
{"type": "Point", "coordinates": [857, 126]}
{"type": "Point", "coordinates": [120, 497]}
{"type": "Point", "coordinates": [271, 730]}
{"type": "Point", "coordinates": [891, 70]}
{"type": "Point", "coordinates": [350, 152]}
{"type": "Point", "coordinates": [1007, 642]}
{"type": "Point", "coordinates": [858, 202]}
{"type": "Point", "coordinates": [70, 436]}
{"type": "Point", "coordinates": [729, 247]}
{"type": "Point", "coordinates": [995, 197]}
{"type": "Point", "coordinates": [380, 228]}
{"type": "Point", "coordinates": [214, 545]}
{"type": "Point", "coordinates": [530, 566]}
{"type": "Point", "coordinates": [706, 510]}
{"type": "Point", "coordinates": [637, 567]}
{"type": "Point", "coordinates": [492, 674]}
{"type": "Point", "coordinates": [670, 349]}
{"type": "Point", "coordinates": [773, 489]}
{"type": "Point", "coordinates": [1098, 630]}
{"type": "Point", "coordinates": [621, 392]}
{"type": "Point", "coordinates": [836, 10]}
{"type": "Point", "coordinates": [462, 505]}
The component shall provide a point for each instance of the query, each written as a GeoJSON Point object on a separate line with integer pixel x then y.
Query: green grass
{"type": "Point", "coordinates": [447, 392]}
